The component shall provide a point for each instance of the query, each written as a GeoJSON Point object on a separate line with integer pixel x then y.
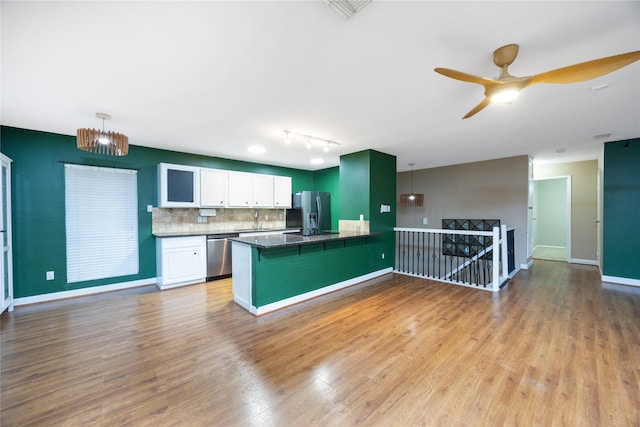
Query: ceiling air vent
{"type": "Point", "coordinates": [347, 8]}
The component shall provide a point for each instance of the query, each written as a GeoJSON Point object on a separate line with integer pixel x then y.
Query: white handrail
{"type": "Point", "coordinates": [444, 231]}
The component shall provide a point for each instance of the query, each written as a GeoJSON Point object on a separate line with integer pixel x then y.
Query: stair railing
{"type": "Point", "coordinates": [463, 257]}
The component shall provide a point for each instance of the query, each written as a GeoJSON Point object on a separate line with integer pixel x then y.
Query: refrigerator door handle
{"type": "Point", "coordinates": [319, 207]}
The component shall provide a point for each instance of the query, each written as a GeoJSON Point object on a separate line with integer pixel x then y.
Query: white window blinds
{"type": "Point", "coordinates": [101, 221]}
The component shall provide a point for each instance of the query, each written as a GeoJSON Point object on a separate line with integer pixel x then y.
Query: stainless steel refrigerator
{"type": "Point", "coordinates": [311, 211]}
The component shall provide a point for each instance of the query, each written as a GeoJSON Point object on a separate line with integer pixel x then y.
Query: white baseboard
{"type": "Point", "coordinates": [527, 265]}
{"type": "Point", "coordinates": [549, 246]}
{"type": "Point", "coordinates": [82, 292]}
{"type": "Point", "coordinates": [583, 261]}
{"type": "Point", "coordinates": [164, 287]}
{"type": "Point", "coordinates": [621, 280]}
{"type": "Point", "coordinates": [312, 294]}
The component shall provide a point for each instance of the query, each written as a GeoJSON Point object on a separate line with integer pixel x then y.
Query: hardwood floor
{"type": "Point", "coordinates": [554, 347]}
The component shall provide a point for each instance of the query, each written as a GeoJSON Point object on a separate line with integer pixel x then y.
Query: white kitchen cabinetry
{"type": "Point", "coordinates": [182, 186]}
{"type": "Point", "coordinates": [261, 191]}
{"type": "Point", "coordinates": [281, 191]}
{"type": "Point", "coordinates": [181, 260]}
{"type": "Point", "coordinates": [179, 186]}
{"type": "Point", "coordinates": [213, 188]}
{"type": "Point", "coordinates": [240, 191]}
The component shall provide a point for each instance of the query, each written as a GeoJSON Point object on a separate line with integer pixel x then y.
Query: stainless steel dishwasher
{"type": "Point", "coordinates": [219, 255]}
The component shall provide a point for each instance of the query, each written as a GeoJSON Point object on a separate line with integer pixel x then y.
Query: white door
{"type": "Point", "coordinates": [6, 264]}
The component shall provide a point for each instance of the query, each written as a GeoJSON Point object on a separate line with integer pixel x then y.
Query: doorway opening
{"type": "Point", "coordinates": [552, 218]}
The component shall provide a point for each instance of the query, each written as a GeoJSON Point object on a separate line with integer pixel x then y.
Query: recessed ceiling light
{"type": "Point", "coordinates": [599, 87]}
{"type": "Point", "coordinates": [317, 161]}
{"type": "Point", "coordinates": [256, 149]}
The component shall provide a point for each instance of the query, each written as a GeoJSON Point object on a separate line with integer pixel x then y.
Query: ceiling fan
{"type": "Point", "coordinates": [507, 87]}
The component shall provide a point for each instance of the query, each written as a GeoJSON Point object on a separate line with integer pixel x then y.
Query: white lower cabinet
{"type": "Point", "coordinates": [181, 260]}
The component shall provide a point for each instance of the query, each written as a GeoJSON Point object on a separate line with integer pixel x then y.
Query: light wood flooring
{"type": "Point", "coordinates": [554, 347]}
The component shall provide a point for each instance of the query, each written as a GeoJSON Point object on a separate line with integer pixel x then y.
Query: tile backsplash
{"type": "Point", "coordinates": [180, 220]}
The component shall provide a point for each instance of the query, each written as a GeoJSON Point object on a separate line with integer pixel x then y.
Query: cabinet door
{"type": "Point", "coordinates": [281, 192]}
{"type": "Point", "coordinates": [239, 189]}
{"type": "Point", "coordinates": [182, 260]}
{"type": "Point", "coordinates": [179, 186]}
{"type": "Point", "coordinates": [183, 264]}
{"type": "Point", "coordinates": [213, 187]}
{"type": "Point", "coordinates": [262, 191]}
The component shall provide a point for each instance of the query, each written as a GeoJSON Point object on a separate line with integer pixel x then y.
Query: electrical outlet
{"type": "Point", "coordinates": [382, 255]}
{"type": "Point", "coordinates": [149, 208]}
{"type": "Point", "coordinates": [50, 275]}
{"type": "Point", "coordinates": [425, 221]}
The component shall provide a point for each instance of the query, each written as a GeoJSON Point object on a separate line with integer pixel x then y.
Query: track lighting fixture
{"type": "Point", "coordinates": [309, 139]}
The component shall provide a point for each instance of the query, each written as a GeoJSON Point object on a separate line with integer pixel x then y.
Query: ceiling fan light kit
{"type": "Point", "coordinates": [507, 87]}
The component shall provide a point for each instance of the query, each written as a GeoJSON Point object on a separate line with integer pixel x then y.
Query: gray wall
{"type": "Point", "coordinates": [584, 204]}
{"type": "Point", "coordinates": [492, 189]}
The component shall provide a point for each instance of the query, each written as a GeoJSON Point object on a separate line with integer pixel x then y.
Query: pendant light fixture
{"type": "Point", "coordinates": [101, 141]}
{"type": "Point", "coordinates": [411, 199]}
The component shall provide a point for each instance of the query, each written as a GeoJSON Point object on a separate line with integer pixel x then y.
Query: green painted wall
{"type": "Point", "coordinates": [621, 209]}
{"type": "Point", "coordinates": [382, 190]}
{"type": "Point", "coordinates": [355, 185]}
{"type": "Point", "coordinates": [329, 180]}
{"type": "Point", "coordinates": [38, 211]}
{"type": "Point", "coordinates": [367, 180]}
{"type": "Point", "coordinates": [306, 267]}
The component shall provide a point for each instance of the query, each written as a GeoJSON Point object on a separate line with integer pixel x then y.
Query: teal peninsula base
{"type": "Point", "coordinates": [273, 272]}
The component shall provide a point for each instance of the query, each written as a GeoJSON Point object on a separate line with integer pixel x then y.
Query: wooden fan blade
{"type": "Point", "coordinates": [586, 70]}
{"type": "Point", "coordinates": [486, 101]}
{"type": "Point", "coordinates": [459, 75]}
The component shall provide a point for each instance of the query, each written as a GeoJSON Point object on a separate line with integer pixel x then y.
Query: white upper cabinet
{"type": "Point", "coordinates": [262, 191]}
{"type": "Point", "coordinates": [282, 192]}
{"type": "Point", "coordinates": [213, 188]}
{"type": "Point", "coordinates": [183, 186]}
{"type": "Point", "coordinates": [240, 193]}
{"type": "Point", "coordinates": [179, 186]}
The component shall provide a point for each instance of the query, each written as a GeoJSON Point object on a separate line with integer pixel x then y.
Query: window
{"type": "Point", "coordinates": [101, 222]}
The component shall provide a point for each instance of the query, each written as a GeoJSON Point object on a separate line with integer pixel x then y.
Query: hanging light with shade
{"type": "Point", "coordinates": [412, 199]}
{"type": "Point", "coordinates": [101, 141]}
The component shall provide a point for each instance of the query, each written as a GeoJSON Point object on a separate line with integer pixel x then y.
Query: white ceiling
{"type": "Point", "coordinates": [213, 77]}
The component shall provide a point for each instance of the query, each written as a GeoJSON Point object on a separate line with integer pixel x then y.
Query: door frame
{"type": "Point", "coordinates": [6, 301]}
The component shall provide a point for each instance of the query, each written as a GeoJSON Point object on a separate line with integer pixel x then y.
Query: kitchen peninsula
{"type": "Point", "coordinates": [274, 271]}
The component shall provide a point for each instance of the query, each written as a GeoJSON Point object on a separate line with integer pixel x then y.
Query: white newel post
{"type": "Point", "coordinates": [504, 251]}
{"type": "Point", "coordinates": [496, 259]}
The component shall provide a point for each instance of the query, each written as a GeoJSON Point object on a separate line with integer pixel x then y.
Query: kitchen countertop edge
{"type": "Point", "coordinates": [283, 240]}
